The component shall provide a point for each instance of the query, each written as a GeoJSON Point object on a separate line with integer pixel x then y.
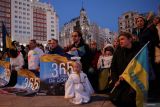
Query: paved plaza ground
{"type": "Point", "coordinates": [98, 100]}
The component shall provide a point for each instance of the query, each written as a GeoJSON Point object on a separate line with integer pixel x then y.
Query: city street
{"type": "Point", "coordinates": [98, 100]}
{"type": "Point", "coordinates": [50, 101]}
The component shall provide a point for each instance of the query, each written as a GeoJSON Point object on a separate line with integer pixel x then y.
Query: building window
{"type": "Point", "coordinates": [126, 17]}
{"type": "Point", "coordinates": [24, 27]}
{"type": "Point", "coordinates": [24, 32]}
{"type": "Point", "coordinates": [16, 26]}
{"type": "Point", "coordinates": [20, 17]}
{"type": "Point", "coordinates": [20, 27]}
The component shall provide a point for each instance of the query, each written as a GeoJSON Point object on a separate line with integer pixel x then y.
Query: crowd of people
{"type": "Point", "coordinates": [98, 68]}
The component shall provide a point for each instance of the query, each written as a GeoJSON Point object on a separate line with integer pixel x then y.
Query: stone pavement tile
{"type": "Point", "coordinates": [20, 101]}
{"type": "Point", "coordinates": [59, 101]}
{"type": "Point", "coordinates": [6, 100]}
{"type": "Point", "coordinates": [47, 101]}
{"type": "Point", "coordinates": [4, 106]}
{"type": "Point", "coordinates": [108, 104]}
{"type": "Point", "coordinates": [50, 101]}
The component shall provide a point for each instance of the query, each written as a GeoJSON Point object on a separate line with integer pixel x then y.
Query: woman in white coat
{"type": "Point", "coordinates": [78, 88]}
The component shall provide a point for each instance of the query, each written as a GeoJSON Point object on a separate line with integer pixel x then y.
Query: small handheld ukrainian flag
{"type": "Point", "coordinates": [136, 74]}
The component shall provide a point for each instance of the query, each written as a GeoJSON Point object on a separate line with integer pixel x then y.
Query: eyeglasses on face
{"type": "Point", "coordinates": [74, 35]}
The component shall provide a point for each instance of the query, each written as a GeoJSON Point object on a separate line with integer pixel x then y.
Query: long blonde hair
{"type": "Point", "coordinates": [78, 63]}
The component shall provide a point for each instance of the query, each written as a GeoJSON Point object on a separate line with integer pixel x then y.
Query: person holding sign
{"type": "Point", "coordinates": [55, 48]}
{"type": "Point", "coordinates": [81, 49]}
{"type": "Point", "coordinates": [78, 88]}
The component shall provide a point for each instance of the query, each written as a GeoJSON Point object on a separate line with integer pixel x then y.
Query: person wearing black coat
{"type": "Point", "coordinates": [123, 95]}
{"type": "Point", "coordinates": [82, 48]}
{"type": "Point", "coordinates": [145, 33]}
{"type": "Point", "coordinates": [56, 49]}
{"type": "Point", "coordinates": [148, 32]}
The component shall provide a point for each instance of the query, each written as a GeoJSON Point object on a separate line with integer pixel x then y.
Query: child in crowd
{"type": "Point", "coordinates": [104, 63]}
{"type": "Point", "coordinates": [78, 88]}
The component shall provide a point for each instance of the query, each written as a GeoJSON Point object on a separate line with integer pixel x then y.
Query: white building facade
{"type": "Point", "coordinates": [29, 19]}
{"type": "Point", "coordinates": [46, 21]}
{"type": "Point", "coordinates": [126, 22]}
{"type": "Point", "coordinates": [21, 21]}
{"type": "Point", "coordinates": [5, 17]}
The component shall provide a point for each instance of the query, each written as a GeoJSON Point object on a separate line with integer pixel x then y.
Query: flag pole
{"type": "Point", "coordinates": [130, 61]}
{"type": "Point", "coordinates": [140, 50]}
{"type": "Point", "coordinates": [115, 86]}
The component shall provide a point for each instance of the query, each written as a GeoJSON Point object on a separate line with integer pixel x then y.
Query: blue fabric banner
{"type": "Point", "coordinates": [5, 73]}
{"type": "Point", "coordinates": [53, 73]}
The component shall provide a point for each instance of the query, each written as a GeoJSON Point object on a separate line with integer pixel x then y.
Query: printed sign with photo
{"type": "Point", "coordinates": [54, 70]}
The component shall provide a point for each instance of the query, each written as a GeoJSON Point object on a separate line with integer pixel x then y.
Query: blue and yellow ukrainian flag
{"type": "Point", "coordinates": [7, 42]}
{"type": "Point", "coordinates": [136, 75]}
